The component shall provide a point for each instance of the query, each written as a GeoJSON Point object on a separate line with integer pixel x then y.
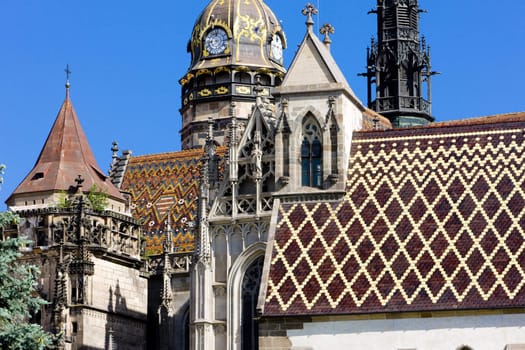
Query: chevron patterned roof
{"type": "Point", "coordinates": [165, 186]}
{"type": "Point", "coordinates": [433, 219]}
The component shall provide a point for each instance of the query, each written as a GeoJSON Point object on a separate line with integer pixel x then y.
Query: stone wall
{"type": "Point", "coordinates": [115, 312]}
{"type": "Point", "coordinates": [377, 332]}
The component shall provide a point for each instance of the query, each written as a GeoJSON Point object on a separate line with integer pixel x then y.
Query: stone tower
{"type": "Point", "coordinates": [85, 243]}
{"type": "Point", "coordinates": [398, 64]}
{"type": "Point", "coordinates": [235, 45]}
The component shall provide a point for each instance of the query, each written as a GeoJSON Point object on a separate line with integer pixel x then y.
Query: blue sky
{"type": "Point", "coordinates": [126, 59]}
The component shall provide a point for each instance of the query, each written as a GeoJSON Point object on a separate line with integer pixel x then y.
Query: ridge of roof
{"type": "Point", "coordinates": [475, 121]}
{"type": "Point", "coordinates": [186, 153]}
{"type": "Point", "coordinates": [488, 119]}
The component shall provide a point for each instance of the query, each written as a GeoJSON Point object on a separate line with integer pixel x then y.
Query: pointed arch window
{"type": "Point", "coordinates": [311, 153]}
{"type": "Point", "coordinates": [250, 292]}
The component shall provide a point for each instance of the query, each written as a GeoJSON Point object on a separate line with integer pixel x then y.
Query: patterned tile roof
{"type": "Point", "coordinates": [433, 219]}
{"type": "Point", "coordinates": [165, 186]}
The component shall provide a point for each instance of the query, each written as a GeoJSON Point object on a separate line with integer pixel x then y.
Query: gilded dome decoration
{"type": "Point", "coordinates": [235, 32]}
{"type": "Point", "coordinates": [235, 46]}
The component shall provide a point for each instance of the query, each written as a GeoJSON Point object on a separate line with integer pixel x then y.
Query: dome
{"type": "Point", "coordinates": [237, 33]}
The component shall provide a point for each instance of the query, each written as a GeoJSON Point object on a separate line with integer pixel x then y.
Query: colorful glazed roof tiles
{"type": "Point", "coordinates": [164, 189]}
{"type": "Point", "coordinates": [433, 219]}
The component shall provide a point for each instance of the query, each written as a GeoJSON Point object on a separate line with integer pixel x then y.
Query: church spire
{"type": "Point", "coordinates": [65, 155]}
{"type": "Point", "coordinates": [398, 64]}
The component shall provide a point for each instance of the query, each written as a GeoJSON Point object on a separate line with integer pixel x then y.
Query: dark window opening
{"type": "Point", "coordinates": [38, 176]}
{"type": "Point", "coordinates": [250, 292]}
{"type": "Point", "coordinates": [265, 80]}
{"type": "Point", "coordinates": [243, 78]}
{"type": "Point", "coordinates": [311, 154]}
{"type": "Point", "coordinates": [222, 77]}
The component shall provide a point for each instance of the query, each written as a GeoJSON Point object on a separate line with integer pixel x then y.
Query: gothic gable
{"type": "Point", "coordinates": [250, 180]}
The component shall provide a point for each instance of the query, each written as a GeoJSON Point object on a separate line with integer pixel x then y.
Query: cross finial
{"type": "Point", "coordinates": [308, 11]}
{"type": "Point", "coordinates": [326, 30]}
{"type": "Point", "coordinates": [68, 73]}
{"type": "Point", "coordinates": [79, 180]}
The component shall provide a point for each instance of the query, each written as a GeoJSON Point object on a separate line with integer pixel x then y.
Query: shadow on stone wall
{"type": "Point", "coordinates": [118, 335]}
{"type": "Point", "coordinates": [166, 330]}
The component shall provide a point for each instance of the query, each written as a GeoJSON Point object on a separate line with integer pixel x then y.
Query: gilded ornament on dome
{"type": "Point", "coordinates": [221, 69]}
{"type": "Point", "coordinates": [202, 72]}
{"type": "Point", "coordinates": [253, 29]}
{"type": "Point", "coordinates": [243, 90]}
{"type": "Point", "coordinates": [205, 93]}
{"type": "Point", "coordinates": [222, 90]}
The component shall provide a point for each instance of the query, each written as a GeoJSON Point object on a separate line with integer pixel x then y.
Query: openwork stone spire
{"type": "Point", "coordinates": [398, 64]}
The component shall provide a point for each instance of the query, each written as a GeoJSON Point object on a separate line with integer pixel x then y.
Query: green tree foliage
{"type": "Point", "coordinates": [18, 298]}
{"type": "Point", "coordinates": [98, 198]}
{"type": "Point", "coordinates": [18, 301]}
{"type": "Point", "coordinates": [64, 201]}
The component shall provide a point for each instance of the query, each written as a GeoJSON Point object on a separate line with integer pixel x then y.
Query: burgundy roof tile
{"type": "Point", "coordinates": [432, 220]}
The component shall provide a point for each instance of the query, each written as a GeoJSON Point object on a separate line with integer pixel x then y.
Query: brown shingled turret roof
{"type": "Point", "coordinates": [65, 155]}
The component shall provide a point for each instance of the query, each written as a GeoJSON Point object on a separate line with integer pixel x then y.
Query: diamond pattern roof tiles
{"type": "Point", "coordinates": [433, 219]}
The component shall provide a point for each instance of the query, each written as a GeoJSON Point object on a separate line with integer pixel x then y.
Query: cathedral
{"type": "Point", "coordinates": [296, 216]}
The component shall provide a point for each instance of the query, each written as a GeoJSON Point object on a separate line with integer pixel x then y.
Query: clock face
{"type": "Point", "coordinates": [277, 47]}
{"type": "Point", "coordinates": [216, 41]}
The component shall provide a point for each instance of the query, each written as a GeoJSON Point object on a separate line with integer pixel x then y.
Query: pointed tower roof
{"type": "Point", "coordinates": [65, 155]}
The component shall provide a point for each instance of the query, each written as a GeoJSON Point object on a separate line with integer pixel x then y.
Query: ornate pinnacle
{"type": "Point", "coordinates": [326, 30]}
{"type": "Point", "coordinates": [114, 151]}
{"type": "Point", "coordinates": [308, 11]}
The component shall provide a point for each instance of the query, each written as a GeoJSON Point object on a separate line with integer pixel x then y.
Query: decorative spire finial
{"type": "Point", "coordinates": [68, 73]}
{"type": "Point", "coordinates": [79, 180]}
{"type": "Point", "coordinates": [326, 30]}
{"type": "Point", "coordinates": [114, 148]}
{"type": "Point", "coordinates": [308, 11]}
